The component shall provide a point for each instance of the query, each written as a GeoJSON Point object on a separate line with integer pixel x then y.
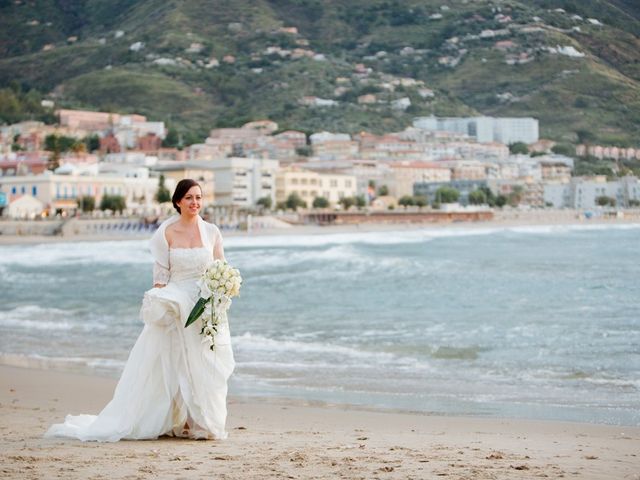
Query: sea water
{"type": "Point", "coordinates": [528, 322]}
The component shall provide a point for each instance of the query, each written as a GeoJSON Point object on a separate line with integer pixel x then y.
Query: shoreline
{"type": "Point", "coordinates": [302, 440]}
{"type": "Point", "coordinates": [522, 220]}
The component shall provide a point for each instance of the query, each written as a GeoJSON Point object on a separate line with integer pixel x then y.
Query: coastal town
{"type": "Point", "coordinates": [99, 164]}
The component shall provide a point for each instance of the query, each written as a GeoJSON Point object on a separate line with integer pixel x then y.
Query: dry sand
{"type": "Point", "coordinates": [295, 440]}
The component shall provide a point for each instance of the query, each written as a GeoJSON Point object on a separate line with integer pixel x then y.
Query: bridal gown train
{"type": "Point", "coordinates": [171, 379]}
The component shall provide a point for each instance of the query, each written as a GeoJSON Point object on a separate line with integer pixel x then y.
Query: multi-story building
{"type": "Point", "coordinates": [92, 121]}
{"type": "Point", "coordinates": [333, 146]}
{"type": "Point", "coordinates": [241, 182]}
{"type": "Point", "coordinates": [403, 175]}
{"type": "Point", "coordinates": [465, 169]}
{"type": "Point", "coordinates": [201, 172]}
{"type": "Point", "coordinates": [505, 130]}
{"type": "Point", "coordinates": [583, 192]}
{"type": "Point", "coordinates": [309, 185]}
{"type": "Point", "coordinates": [61, 192]}
{"type": "Point", "coordinates": [464, 187]}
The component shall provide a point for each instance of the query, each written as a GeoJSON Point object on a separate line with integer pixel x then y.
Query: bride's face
{"type": "Point", "coordinates": [191, 202]}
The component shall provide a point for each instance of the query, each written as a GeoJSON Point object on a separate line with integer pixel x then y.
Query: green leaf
{"type": "Point", "coordinates": [196, 312]}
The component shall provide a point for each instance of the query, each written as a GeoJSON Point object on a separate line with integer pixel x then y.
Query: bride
{"type": "Point", "coordinates": [172, 383]}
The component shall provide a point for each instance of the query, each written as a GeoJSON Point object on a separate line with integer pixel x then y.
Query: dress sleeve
{"type": "Point", "coordinates": [218, 249]}
{"type": "Point", "coordinates": [160, 274]}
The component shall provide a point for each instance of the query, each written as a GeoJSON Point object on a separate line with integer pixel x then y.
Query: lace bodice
{"type": "Point", "coordinates": [188, 263]}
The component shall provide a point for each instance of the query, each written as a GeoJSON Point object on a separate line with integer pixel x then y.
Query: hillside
{"type": "Point", "coordinates": [197, 64]}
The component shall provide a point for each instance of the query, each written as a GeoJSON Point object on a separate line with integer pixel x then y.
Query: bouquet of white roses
{"type": "Point", "coordinates": [218, 284]}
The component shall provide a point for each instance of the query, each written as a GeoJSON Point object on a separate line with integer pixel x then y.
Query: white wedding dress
{"type": "Point", "coordinates": [172, 383]}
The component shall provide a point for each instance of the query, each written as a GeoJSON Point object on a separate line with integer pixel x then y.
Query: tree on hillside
{"type": "Point", "coordinates": [518, 148]}
{"type": "Point", "coordinates": [162, 194]}
{"type": "Point", "coordinates": [92, 143]}
{"type": "Point", "coordinates": [564, 149]}
{"type": "Point", "coordinates": [172, 139]}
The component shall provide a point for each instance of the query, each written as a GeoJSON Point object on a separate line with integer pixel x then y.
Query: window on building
{"type": "Point", "coordinates": [23, 189]}
{"type": "Point", "coordinates": [294, 181]}
{"type": "Point", "coordinates": [333, 183]}
{"type": "Point", "coordinates": [13, 190]}
{"type": "Point", "coordinates": [303, 181]}
{"type": "Point", "coordinates": [34, 191]}
{"type": "Point", "coordinates": [347, 183]}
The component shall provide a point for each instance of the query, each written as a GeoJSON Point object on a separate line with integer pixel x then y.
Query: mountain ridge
{"type": "Point", "coordinates": [198, 64]}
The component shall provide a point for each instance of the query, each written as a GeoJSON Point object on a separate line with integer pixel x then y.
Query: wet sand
{"type": "Point", "coordinates": [283, 439]}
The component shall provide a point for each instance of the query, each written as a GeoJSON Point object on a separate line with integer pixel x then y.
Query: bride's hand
{"type": "Point", "coordinates": [159, 285]}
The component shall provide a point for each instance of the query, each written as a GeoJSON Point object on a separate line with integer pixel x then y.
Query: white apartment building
{"type": "Point", "coordinates": [129, 129]}
{"type": "Point", "coordinates": [241, 182]}
{"type": "Point", "coordinates": [309, 185]}
{"type": "Point", "coordinates": [582, 192]}
{"type": "Point", "coordinates": [60, 192]}
{"type": "Point", "coordinates": [505, 130]}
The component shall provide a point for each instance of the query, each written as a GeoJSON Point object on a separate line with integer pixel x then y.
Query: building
{"type": "Point", "coordinates": [241, 182]}
{"type": "Point", "coordinates": [24, 207]}
{"type": "Point", "coordinates": [465, 187]}
{"type": "Point", "coordinates": [504, 130]}
{"type": "Point", "coordinates": [201, 172]}
{"type": "Point", "coordinates": [403, 176]}
{"type": "Point", "coordinates": [61, 192]}
{"type": "Point", "coordinates": [333, 146]}
{"type": "Point", "coordinates": [310, 185]}
{"type": "Point", "coordinates": [92, 121]}
{"type": "Point", "coordinates": [583, 192]}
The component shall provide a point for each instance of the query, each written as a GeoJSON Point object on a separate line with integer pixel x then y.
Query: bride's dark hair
{"type": "Point", "coordinates": [181, 190]}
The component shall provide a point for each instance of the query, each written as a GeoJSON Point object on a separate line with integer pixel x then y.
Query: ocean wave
{"type": "Point", "coordinates": [76, 253]}
{"type": "Point", "coordinates": [349, 255]}
{"type": "Point", "coordinates": [261, 344]}
{"type": "Point", "coordinates": [392, 237]}
{"type": "Point", "coordinates": [32, 317]}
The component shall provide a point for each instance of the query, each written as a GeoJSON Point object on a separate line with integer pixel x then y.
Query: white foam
{"type": "Point", "coordinates": [76, 253]}
{"type": "Point", "coordinates": [38, 319]}
{"type": "Point", "coordinates": [261, 344]}
{"type": "Point", "coordinates": [393, 237]}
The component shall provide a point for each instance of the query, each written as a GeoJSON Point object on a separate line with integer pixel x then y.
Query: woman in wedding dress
{"type": "Point", "coordinates": [172, 383]}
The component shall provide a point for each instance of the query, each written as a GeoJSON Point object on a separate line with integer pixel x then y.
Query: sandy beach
{"type": "Point", "coordinates": [502, 220]}
{"type": "Point", "coordinates": [281, 439]}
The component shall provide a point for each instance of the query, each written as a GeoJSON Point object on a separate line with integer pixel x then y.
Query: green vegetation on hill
{"type": "Point", "coordinates": [574, 64]}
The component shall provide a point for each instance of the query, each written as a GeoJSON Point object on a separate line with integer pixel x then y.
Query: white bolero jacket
{"type": "Point", "coordinates": [209, 234]}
